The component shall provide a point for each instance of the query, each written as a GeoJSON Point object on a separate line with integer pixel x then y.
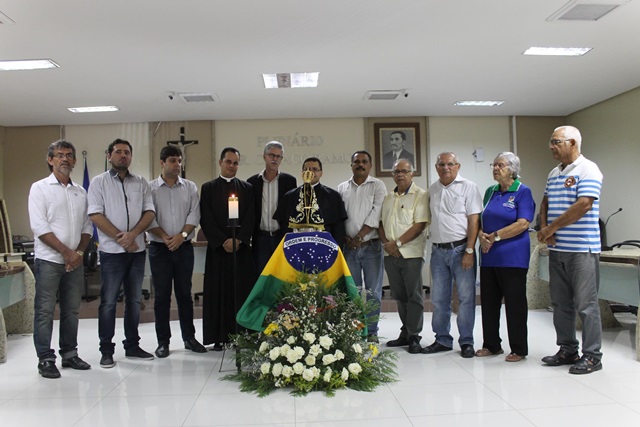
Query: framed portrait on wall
{"type": "Point", "coordinates": [396, 141]}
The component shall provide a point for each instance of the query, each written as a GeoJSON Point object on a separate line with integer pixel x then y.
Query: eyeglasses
{"type": "Point", "coordinates": [60, 156]}
{"type": "Point", "coordinates": [314, 169]}
{"type": "Point", "coordinates": [558, 141]}
{"type": "Point", "coordinates": [441, 165]}
{"type": "Point", "coordinates": [274, 156]}
{"type": "Point", "coordinates": [400, 172]}
{"type": "Point", "coordinates": [498, 165]}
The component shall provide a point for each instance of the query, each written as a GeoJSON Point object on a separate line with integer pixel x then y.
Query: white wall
{"type": "Point", "coordinates": [611, 138]}
{"type": "Point", "coordinates": [331, 140]}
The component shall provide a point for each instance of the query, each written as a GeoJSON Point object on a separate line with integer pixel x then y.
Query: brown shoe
{"type": "Point", "coordinates": [484, 352]}
{"type": "Point", "coordinates": [512, 357]}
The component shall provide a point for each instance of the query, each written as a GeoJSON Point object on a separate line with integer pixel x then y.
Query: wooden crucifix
{"type": "Point", "coordinates": [183, 144]}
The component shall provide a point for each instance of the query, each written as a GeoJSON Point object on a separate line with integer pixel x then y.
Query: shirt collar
{"type": "Point", "coordinates": [261, 174]}
{"type": "Point", "coordinates": [180, 181]}
{"type": "Point", "coordinates": [226, 179]}
{"type": "Point", "coordinates": [369, 179]}
{"type": "Point", "coordinates": [51, 179]}
{"type": "Point", "coordinates": [514, 187]}
{"type": "Point", "coordinates": [411, 189]}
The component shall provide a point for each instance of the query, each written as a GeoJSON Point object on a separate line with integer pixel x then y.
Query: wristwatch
{"type": "Point", "coordinates": [358, 238]}
{"type": "Point", "coordinates": [469, 251]}
{"type": "Point", "coordinates": [496, 238]}
{"type": "Point", "coordinates": [398, 243]}
{"type": "Point", "coordinates": [184, 235]}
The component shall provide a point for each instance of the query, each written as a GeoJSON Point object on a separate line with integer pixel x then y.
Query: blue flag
{"type": "Point", "coordinates": [85, 184]}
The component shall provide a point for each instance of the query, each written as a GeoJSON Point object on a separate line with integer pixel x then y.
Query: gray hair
{"type": "Point", "coordinates": [513, 163]}
{"type": "Point", "coordinates": [447, 153]}
{"type": "Point", "coordinates": [273, 144]}
{"type": "Point", "coordinates": [403, 160]}
{"type": "Point", "coordinates": [571, 132]}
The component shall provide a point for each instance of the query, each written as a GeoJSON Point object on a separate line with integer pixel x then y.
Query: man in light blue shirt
{"type": "Point", "coordinates": [120, 205]}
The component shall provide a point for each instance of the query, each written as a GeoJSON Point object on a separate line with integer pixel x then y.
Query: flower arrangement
{"type": "Point", "coordinates": [313, 340]}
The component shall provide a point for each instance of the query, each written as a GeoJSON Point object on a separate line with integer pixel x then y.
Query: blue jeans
{"type": "Point", "coordinates": [574, 280]}
{"type": "Point", "coordinates": [446, 267]}
{"type": "Point", "coordinates": [52, 280]}
{"type": "Point", "coordinates": [126, 269]}
{"type": "Point", "coordinates": [368, 262]}
{"type": "Point", "coordinates": [172, 270]}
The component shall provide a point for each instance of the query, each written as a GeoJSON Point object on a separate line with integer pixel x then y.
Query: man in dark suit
{"type": "Point", "coordinates": [329, 202]}
{"type": "Point", "coordinates": [268, 188]}
{"type": "Point", "coordinates": [397, 142]}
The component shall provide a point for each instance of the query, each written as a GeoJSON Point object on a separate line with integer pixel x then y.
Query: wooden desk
{"type": "Point", "coordinates": [619, 280]}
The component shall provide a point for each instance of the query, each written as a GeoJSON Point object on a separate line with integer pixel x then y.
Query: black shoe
{"type": "Point", "coordinates": [162, 350]}
{"type": "Point", "coordinates": [75, 363]}
{"type": "Point", "coordinates": [436, 347]}
{"type": "Point", "coordinates": [218, 346]}
{"type": "Point", "coordinates": [106, 361]}
{"type": "Point", "coordinates": [193, 345]}
{"type": "Point", "coordinates": [48, 369]}
{"type": "Point", "coordinates": [561, 358]}
{"type": "Point", "coordinates": [414, 345]}
{"type": "Point", "coordinates": [467, 351]}
{"type": "Point", "coordinates": [398, 342]}
{"type": "Point", "coordinates": [586, 365]}
{"type": "Point", "coordinates": [138, 353]}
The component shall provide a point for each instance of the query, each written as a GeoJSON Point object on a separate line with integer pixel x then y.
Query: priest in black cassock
{"type": "Point", "coordinates": [220, 305]}
{"type": "Point", "coordinates": [330, 204]}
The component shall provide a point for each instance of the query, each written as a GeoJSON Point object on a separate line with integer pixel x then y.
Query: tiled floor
{"type": "Point", "coordinates": [433, 390]}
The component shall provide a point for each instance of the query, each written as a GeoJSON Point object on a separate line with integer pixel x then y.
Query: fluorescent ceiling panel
{"type": "Point", "coordinates": [28, 64]}
{"type": "Point", "coordinates": [99, 109]}
{"type": "Point", "coordinates": [290, 80]}
{"type": "Point", "coordinates": [556, 51]}
{"type": "Point", "coordinates": [478, 103]}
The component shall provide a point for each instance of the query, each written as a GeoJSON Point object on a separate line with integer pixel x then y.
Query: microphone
{"type": "Point", "coordinates": [616, 212]}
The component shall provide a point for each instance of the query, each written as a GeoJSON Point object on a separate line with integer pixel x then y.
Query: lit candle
{"type": "Point", "coordinates": [233, 207]}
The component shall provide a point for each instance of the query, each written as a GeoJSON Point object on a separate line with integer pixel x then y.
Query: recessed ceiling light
{"type": "Point", "coordinates": [478, 103]}
{"type": "Point", "coordinates": [99, 109]}
{"type": "Point", "coordinates": [29, 64]}
{"type": "Point", "coordinates": [557, 51]}
{"type": "Point", "coordinates": [290, 80]}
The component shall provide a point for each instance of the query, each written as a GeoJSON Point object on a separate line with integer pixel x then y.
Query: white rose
{"type": "Point", "coordinates": [327, 375]}
{"type": "Point", "coordinates": [325, 342]}
{"type": "Point", "coordinates": [307, 374]}
{"type": "Point", "coordinates": [291, 340]}
{"type": "Point", "coordinates": [328, 359]}
{"type": "Point", "coordinates": [284, 350]}
{"type": "Point", "coordinates": [265, 368]}
{"type": "Point", "coordinates": [316, 372]}
{"type": "Point", "coordinates": [339, 355]}
{"type": "Point", "coordinates": [277, 369]}
{"type": "Point", "coordinates": [274, 353]}
{"type": "Point", "coordinates": [356, 347]}
{"type": "Point", "coordinates": [299, 351]}
{"type": "Point", "coordinates": [287, 371]}
{"type": "Point", "coordinates": [309, 337]}
{"type": "Point", "coordinates": [292, 356]}
{"type": "Point", "coordinates": [264, 347]}
{"type": "Point", "coordinates": [345, 374]}
{"type": "Point", "coordinates": [314, 350]}
{"type": "Point", "coordinates": [310, 360]}
{"type": "Point", "coordinates": [355, 368]}
{"type": "Point", "coordinates": [298, 368]}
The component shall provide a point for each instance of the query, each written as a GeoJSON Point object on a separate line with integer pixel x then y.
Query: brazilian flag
{"type": "Point", "coordinates": [312, 252]}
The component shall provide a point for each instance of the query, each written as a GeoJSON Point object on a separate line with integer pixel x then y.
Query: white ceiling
{"type": "Point", "coordinates": [133, 54]}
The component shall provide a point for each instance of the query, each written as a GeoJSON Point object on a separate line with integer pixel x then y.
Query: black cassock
{"type": "Point", "coordinates": [219, 305]}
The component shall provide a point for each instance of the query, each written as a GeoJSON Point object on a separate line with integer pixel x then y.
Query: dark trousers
{"type": "Point", "coordinates": [509, 283]}
{"type": "Point", "coordinates": [262, 247]}
{"type": "Point", "coordinates": [172, 270]}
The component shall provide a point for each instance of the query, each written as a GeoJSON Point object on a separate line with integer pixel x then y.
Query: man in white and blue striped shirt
{"type": "Point", "coordinates": [569, 226]}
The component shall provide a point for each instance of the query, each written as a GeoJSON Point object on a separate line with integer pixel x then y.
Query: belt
{"type": "Point", "coordinates": [450, 245]}
{"type": "Point", "coordinates": [268, 233]}
{"type": "Point", "coordinates": [367, 243]}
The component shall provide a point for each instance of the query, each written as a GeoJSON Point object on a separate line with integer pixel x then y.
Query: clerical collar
{"type": "Point", "coordinates": [226, 179]}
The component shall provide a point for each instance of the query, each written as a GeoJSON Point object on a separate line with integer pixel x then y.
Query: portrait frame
{"type": "Point", "coordinates": [383, 152]}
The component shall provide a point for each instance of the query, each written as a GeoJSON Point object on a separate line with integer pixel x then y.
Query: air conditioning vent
{"type": "Point", "coordinates": [586, 10]}
{"type": "Point", "coordinates": [197, 97]}
{"type": "Point", "coordinates": [383, 95]}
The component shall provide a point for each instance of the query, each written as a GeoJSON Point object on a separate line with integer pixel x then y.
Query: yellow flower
{"type": "Point", "coordinates": [303, 286]}
{"type": "Point", "coordinates": [374, 349]}
{"type": "Point", "coordinates": [271, 329]}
